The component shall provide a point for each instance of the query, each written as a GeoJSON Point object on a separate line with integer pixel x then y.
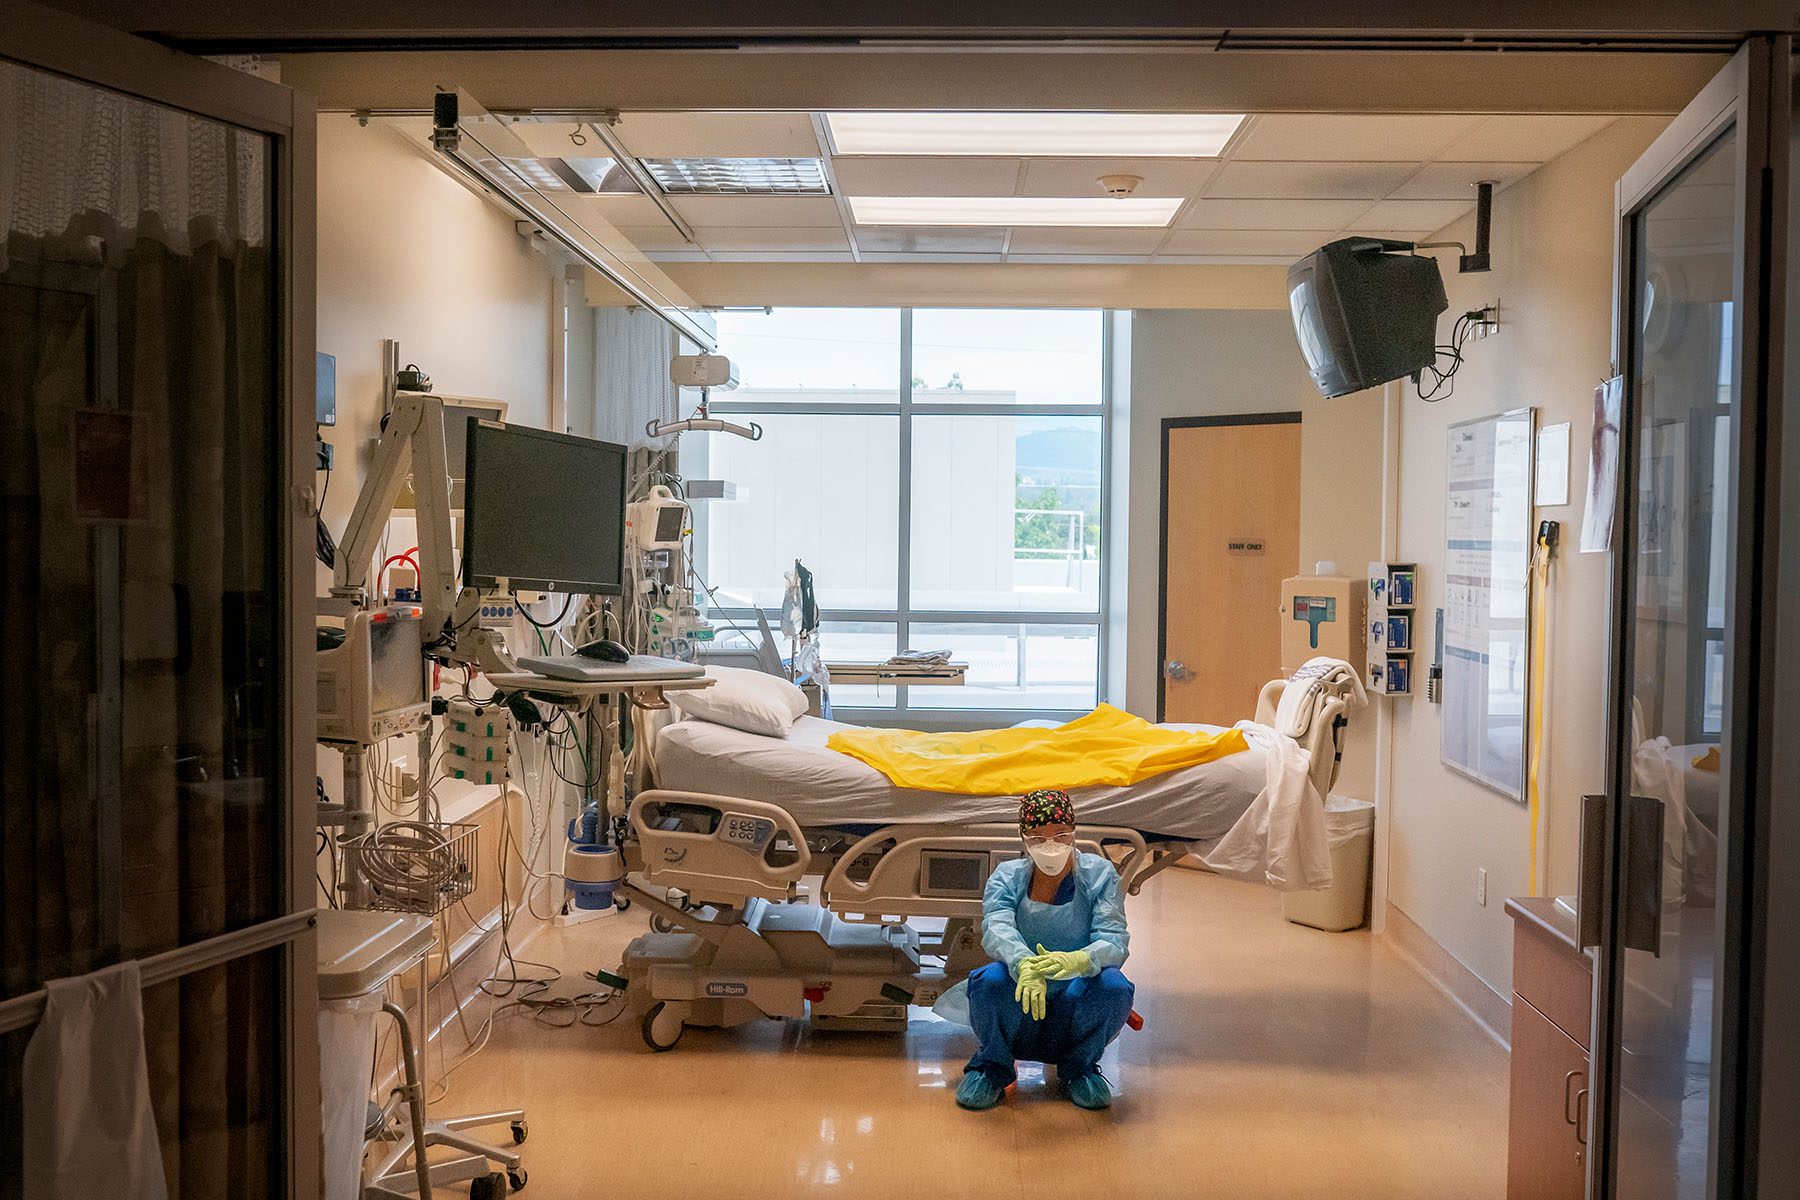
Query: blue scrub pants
{"type": "Point", "coordinates": [1081, 1016]}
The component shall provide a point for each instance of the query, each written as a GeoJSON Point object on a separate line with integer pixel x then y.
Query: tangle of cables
{"type": "Point", "coordinates": [413, 866]}
{"type": "Point", "coordinates": [1443, 381]}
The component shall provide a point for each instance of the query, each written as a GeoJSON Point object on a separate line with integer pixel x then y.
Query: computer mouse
{"type": "Point", "coordinates": [606, 650]}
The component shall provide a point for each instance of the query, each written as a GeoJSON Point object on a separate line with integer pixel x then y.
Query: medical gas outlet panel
{"type": "Point", "coordinates": [1393, 627]}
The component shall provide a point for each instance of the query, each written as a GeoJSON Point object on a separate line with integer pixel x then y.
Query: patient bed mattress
{"type": "Point", "coordinates": [821, 787]}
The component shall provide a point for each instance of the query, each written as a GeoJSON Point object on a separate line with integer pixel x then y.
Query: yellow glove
{"type": "Point", "coordinates": [1031, 991]}
{"type": "Point", "coordinates": [1060, 964]}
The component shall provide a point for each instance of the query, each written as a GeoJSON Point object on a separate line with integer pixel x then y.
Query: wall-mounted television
{"type": "Point", "coordinates": [1365, 310]}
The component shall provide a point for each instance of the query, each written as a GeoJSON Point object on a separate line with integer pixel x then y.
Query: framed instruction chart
{"type": "Point", "coordinates": [1487, 599]}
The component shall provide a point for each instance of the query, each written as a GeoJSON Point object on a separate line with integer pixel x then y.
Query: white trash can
{"type": "Point", "coordinates": [1350, 828]}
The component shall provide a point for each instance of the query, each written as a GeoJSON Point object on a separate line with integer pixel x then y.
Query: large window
{"type": "Point", "coordinates": [941, 472]}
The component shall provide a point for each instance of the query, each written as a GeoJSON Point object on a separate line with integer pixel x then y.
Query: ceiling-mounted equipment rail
{"type": "Point", "coordinates": [479, 146]}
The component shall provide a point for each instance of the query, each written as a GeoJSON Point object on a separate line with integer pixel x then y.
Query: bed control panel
{"type": "Point", "coordinates": [748, 833]}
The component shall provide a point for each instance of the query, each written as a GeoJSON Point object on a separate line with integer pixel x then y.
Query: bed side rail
{"type": "Point", "coordinates": [719, 849]}
{"type": "Point", "coordinates": [942, 870]}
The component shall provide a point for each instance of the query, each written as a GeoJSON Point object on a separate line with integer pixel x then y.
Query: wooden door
{"type": "Point", "coordinates": [1230, 535]}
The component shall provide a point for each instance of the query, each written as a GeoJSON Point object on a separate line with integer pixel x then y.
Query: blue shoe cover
{"type": "Point", "coordinates": [1089, 1091]}
{"type": "Point", "coordinates": [977, 1092]}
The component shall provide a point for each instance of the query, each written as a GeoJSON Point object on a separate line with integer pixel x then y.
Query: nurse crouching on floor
{"type": "Point", "coordinates": [1054, 922]}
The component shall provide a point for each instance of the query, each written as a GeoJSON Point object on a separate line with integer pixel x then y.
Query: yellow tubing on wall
{"type": "Point", "coordinates": [1540, 635]}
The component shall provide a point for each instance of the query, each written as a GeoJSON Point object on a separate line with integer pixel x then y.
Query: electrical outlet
{"type": "Point", "coordinates": [1490, 325]}
{"type": "Point", "coordinates": [1481, 886]}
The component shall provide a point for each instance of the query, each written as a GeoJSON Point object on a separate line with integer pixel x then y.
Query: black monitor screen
{"type": "Point", "coordinates": [543, 511]}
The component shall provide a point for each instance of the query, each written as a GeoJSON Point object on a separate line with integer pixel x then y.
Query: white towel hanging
{"type": "Point", "coordinates": [89, 1129]}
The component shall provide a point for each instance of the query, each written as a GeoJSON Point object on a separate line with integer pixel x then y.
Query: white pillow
{"type": "Point", "coordinates": [753, 701]}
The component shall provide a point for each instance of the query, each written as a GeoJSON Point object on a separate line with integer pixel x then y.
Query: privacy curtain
{"type": "Point", "coordinates": [140, 809]}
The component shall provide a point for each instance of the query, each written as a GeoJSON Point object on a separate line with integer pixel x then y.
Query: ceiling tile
{"type": "Point", "coordinates": [717, 134]}
{"type": "Point", "coordinates": [1342, 137]}
{"type": "Point", "coordinates": [926, 176]}
{"type": "Point", "coordinates": [1523, 138]}
{"type": "Point", "coordinates": [1081, 176]}
{"type": "Point", "coordinates": [930, 256]}
{"type": "Point", "coordinates": [1456, 181]}
{"type": "Point", "coordinates": [1309, 180]}
{"type": "Point", "coordinates": [803, 256]}
{"type": "Point", "coordinates": [736, 238]}
{"type": "Point", "coordinates": [1427, 215]}
{"type": "Point", "coordinates": [551, 139]}
{"type": "Point", "coordinates": [1286, 243]}
{"type": "Point", "coordinates": [897, 238]}
{"type": "Point", "coordinates": [1271, 214]}
{"type": "Point", "coordinates": [791, 212]}
{"type": "Point", "coordinates": [654, 238]}
{"type": "Point", "coordinates": [616, 210]}
{"type": "Point", "coordinates": [1014, 256]}
{"type": "Point", "coordinates": [1084, 241]}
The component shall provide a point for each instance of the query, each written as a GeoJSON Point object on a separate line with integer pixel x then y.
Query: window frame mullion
{"type": "Point", "coordinates": [903, 543]}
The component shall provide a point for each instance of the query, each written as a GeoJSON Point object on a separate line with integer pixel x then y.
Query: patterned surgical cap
{"type": "Point", "coordinates": [1046, 806]}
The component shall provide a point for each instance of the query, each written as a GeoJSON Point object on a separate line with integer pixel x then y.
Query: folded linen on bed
{"type": "Point", "coordinates": [1107, 747]}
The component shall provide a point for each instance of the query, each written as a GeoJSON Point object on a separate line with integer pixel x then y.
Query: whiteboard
{"type": "Point", "coordinates": [1487, 599]}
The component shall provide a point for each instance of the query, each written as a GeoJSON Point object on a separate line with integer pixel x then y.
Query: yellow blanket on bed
{"type": "Point", "coordinates": [1108, 747]}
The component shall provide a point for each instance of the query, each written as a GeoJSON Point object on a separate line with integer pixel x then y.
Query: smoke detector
{"type": "Point", "coordinates": [1119, 186]}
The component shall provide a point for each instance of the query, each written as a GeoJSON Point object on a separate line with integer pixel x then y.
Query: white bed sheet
{"type": "Point", "coordinates": [822, 787]}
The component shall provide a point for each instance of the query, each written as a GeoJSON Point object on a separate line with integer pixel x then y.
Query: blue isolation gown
{"type": "Point", "coordinates": [1081, 1015]}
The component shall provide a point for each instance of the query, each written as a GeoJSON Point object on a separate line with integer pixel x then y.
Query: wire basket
{"type": "Point", "coordinates": [416, 866]}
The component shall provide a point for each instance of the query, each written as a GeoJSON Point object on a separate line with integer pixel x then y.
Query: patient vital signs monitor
{"type": "Point", "coordinates": [543, 511]}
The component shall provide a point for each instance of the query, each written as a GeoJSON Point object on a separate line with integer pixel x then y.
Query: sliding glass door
{"type": "Point", "coordinates": [155, 408]}
{"type": "Point", "coordinates": [1702, 263]}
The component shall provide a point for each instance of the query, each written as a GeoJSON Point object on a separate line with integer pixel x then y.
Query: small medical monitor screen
{"type": "Point", "coordinates": [668, 523]}
{"type": "Point", "coordinates": [543, 511]}
{"type": "Point", "coordinates": [396, 666]}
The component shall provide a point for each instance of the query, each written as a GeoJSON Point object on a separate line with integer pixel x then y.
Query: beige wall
{"type": "Point", "coordinates": [406, 252]}
{"type": "Point", "coordinates": [1200, 363]}
{"type": "Point", "coordinates": [1552, 254]}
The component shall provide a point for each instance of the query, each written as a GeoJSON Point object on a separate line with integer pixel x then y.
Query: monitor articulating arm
{"type": "Point", "coordinates": [412, 441]}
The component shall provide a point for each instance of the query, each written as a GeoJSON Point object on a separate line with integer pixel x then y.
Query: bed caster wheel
{"type": "Point", "coordinates": [520, 1131]}
{"type": "Point", "coordinates": [488, 1187]}
{"type": "Point", "coordinates": [662, 1025]}
{"type": "Point", "coordinates": [661, 925]}
{"type": "Point", "coordinates": [622, 903]}
{"type": "Point", "coordinates": [515, 1179]}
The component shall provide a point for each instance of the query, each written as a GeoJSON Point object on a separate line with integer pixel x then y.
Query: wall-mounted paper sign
{"type": "Point", "coordinates": [1244, 546]}
{"type": "Point", "coordinates": [1552, 482]}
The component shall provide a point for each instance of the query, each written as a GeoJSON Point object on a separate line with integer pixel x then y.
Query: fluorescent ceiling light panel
{"type": "Point", "coordinates": [1029, 134]}
{"type": "Point", "coordinates": [1132, 212]}
{"type": "Point", "coordinates": [739, 176]}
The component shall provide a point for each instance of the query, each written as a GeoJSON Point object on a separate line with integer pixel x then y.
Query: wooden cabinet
{"type": "Point", "coordinates": [1552, 997]}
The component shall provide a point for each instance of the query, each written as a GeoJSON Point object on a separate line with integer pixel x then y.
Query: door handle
{"type": "Point", "coordinates": [1581, 1103]}
{"type": "Point", "coordinates": [1569, 1101]}
{"type": "Point", "coordinates": [1640, 900]}
{"type": "Point", "coordinates": [1177, 670]}
{"type": "Point", "coordinates": [1588, 896]}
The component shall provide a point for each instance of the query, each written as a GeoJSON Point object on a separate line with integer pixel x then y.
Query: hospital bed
{"type": "Point", "coordinates": [808, 885]}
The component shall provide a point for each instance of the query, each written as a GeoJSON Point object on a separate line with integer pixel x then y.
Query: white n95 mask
{"type": "Point", "coordinates": [1050, 857]}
